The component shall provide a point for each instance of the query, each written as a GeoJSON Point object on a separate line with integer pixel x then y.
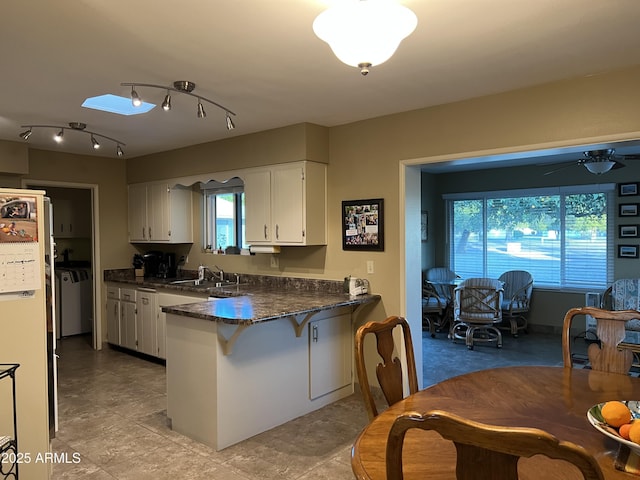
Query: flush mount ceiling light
{"type": "Point", "coordinates": [181, 86]}
{"type": "Point", "coordinates": [365, 33]}
{"type": "Point", "coordinates": [77, 127]}
{"type": "Point", "coordinates": [598, 167]}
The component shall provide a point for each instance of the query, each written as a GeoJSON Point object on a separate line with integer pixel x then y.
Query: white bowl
{"type": "Point", "coordinates": [594, 416]}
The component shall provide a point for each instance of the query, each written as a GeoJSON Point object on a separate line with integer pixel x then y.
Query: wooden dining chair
{"type": "Point", "coordinates": [486, 452]}
{"type": "Point", "coordinates": [389, 370]}
{"type": "Point", "coordinates": [607, 356]}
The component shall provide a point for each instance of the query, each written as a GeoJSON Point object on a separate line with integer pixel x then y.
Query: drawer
{"type": "Point", "coordinates": [128, 294]}
{"type": "Point", "coordinates": [113, 292]}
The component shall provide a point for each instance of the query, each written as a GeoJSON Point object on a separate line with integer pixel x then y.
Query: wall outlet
{"type": "Point", "coordinates": [370, 268]}
{"type": "Point", "coordinates": [275, 261]}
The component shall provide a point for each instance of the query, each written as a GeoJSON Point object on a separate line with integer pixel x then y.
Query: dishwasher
{"type": "Point", "coordinates": [74, 301]}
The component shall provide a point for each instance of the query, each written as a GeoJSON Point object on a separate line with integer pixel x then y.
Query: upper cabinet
{"type": "Point", "coordinates": [72, 218]}
{"type": "Point", "coordinates": [286, 204]}
{"type": "Point", "coordinates": [160, 213]}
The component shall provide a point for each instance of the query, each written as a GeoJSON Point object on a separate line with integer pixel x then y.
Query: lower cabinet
{"type": "Point", "coordinates": [113, 315]}
{"type": "Point", "coordinates": [330, 353]}
{"type": "Point", "coordinates": [128, 318]}
{"type": "Point", "coordinates": [135, 319]}
{"type": "Point", "coordinates": [146, 321]}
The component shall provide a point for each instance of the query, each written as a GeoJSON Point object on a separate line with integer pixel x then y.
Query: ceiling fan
{"type": "Point", "coordinates": [599, 161]}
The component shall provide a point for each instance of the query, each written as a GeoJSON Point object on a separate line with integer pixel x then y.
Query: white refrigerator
{"type": "Point", "coordinates": [26, 323]}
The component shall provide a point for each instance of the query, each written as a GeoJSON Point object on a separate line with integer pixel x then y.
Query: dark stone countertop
{"type": "Point", "coordinates": [256, 299]}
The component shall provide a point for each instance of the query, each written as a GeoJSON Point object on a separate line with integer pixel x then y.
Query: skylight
{"type": "Point", "coordinates": [115, 104]}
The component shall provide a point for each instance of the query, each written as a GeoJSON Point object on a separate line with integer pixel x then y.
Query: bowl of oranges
{"type": "Point", "coordinates": [619, 420]}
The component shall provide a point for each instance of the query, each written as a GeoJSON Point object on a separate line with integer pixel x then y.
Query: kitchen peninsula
{"type": "Point", "coordinates": [263, 352]}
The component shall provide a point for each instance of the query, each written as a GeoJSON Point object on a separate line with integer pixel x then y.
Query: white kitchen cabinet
{"type": "Point", "coordinates": [147, 321]}
{"type": "Point", "coordinates": [167, 300]}
{"type": "Point", "coordinates": [330, 354]}
{"type": "Point", "coordinates": [128, 318]}
{"type": "Point", "coordinates": [113, 315]}
{"type": "Point", "coordinates": [160, 213]}
{"type": "Point", "coordinates": [286, 204]}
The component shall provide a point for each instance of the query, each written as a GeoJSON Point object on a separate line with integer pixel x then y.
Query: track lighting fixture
{"type": "Point", "coordinates": [135, 98]}
{"type": "Point", "coordinates": [230, 124]}
{"type": "Point", "coordinates": [26, 134]}
{"type": "Point", "coordinates": [182, 86]}
{"type": "Point", "coordinates": [201, 112]}
{"type": "Point", "coordinates": [166, 104]}
{"type": "Point", "coordinates": [77, 127]}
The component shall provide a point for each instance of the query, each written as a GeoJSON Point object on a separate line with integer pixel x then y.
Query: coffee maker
{"type": "Point", "coordinates": [152, 260]}
{"type": "Point", "coordinates": [167, 267]}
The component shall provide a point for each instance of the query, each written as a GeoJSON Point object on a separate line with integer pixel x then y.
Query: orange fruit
{"type": "Point", "coordinates": [616, 413]}
{"type": "Point", "coordinates": [624, 430]}
{"type": "Point", "coordinates": [634, 432]}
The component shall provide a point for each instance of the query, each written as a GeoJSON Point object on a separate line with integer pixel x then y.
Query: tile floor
{"type": "Point", "coordinates": [112, 412]}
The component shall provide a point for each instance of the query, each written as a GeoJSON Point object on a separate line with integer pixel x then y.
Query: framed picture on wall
{"type": "Point", "coordinates": [424, 226]}
{"type": "Point", "coordinates": [627, 189]}
{"type": "Point", "coordinates": [627, 251]}
{"type": "Point", "coordinates": [363, 224]}
{"type": "Point", "coordinates": [627, 231]}
{"type": "Point", "coordinates": [628, 210]}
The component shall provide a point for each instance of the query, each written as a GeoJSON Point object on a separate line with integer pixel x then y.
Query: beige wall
{"type": "Point", "coordinates": [364, 162]}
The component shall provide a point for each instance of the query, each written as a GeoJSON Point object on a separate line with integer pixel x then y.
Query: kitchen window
{"type": "Point", "coordinates": [563, 236]}
{"type": "Point", "coordinates": [224, 215]}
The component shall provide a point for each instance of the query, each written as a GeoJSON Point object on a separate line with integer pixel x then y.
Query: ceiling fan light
{"type": "Point", "coordinates": [599, 167]}
{"type": "Point", "coordinates": [365, 32]}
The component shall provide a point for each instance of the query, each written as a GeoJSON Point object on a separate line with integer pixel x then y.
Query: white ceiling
{"type": "Point", "coordinates": [261, 59]}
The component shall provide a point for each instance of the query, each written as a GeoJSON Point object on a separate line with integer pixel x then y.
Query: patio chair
{"type": "Point", "coordinates": [518, 286]}
{"type": "Point", "coordinates": [477, 310]}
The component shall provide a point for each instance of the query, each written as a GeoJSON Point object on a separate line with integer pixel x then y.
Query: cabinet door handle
{"type": "Point", "coordinates": [265, 231]}
{"type": "Point", "coordinates": [143, 234]}
{"type": "Point", "coordinates": [277, 231]}
{"type": "Point", "coordinates": [149, 233]}
{"type": "Point", "coordinates": [314, 333]}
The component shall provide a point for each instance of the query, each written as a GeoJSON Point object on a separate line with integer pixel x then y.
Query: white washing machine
{"type": "Point", "coordinates": [74, 301]}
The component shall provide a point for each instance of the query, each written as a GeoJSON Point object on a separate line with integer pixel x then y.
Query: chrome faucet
{"type": "Point", "coordinates": [220, 273]}
{"type": "Point", "coordinates": [202, 271]}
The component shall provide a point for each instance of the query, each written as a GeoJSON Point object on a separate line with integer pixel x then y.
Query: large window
{"type": "Point", "coordinates": [562, 236]}
{"type": "Point", "coordinates": [224, 215]}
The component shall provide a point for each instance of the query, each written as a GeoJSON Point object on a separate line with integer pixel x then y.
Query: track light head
{"type": "Point", "coordinates": [26, 134]}
{"type": "Point", "coordinates": [119, 151]}
{"type": "Point", "coordinates": [135, 98]}
{"type": "Point", "coordinates": [94, 143]}
{"type": "Point", "coordinates": [201, 112]}
{"type": "Point", "coordinates": [59, 136]}
{"type": "Point", "coordinates": [166, 104]}
{"type": "Point", "coordinates": [230, 124]}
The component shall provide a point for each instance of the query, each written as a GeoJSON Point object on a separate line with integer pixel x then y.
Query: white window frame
{"type": "Point", "coordinates": [606, 188]}
{"type": "Point", "coordinates": [234, 186]}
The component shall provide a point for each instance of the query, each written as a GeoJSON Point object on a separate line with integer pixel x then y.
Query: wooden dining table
{"type": "Point", "coordinates": [555, 399]}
